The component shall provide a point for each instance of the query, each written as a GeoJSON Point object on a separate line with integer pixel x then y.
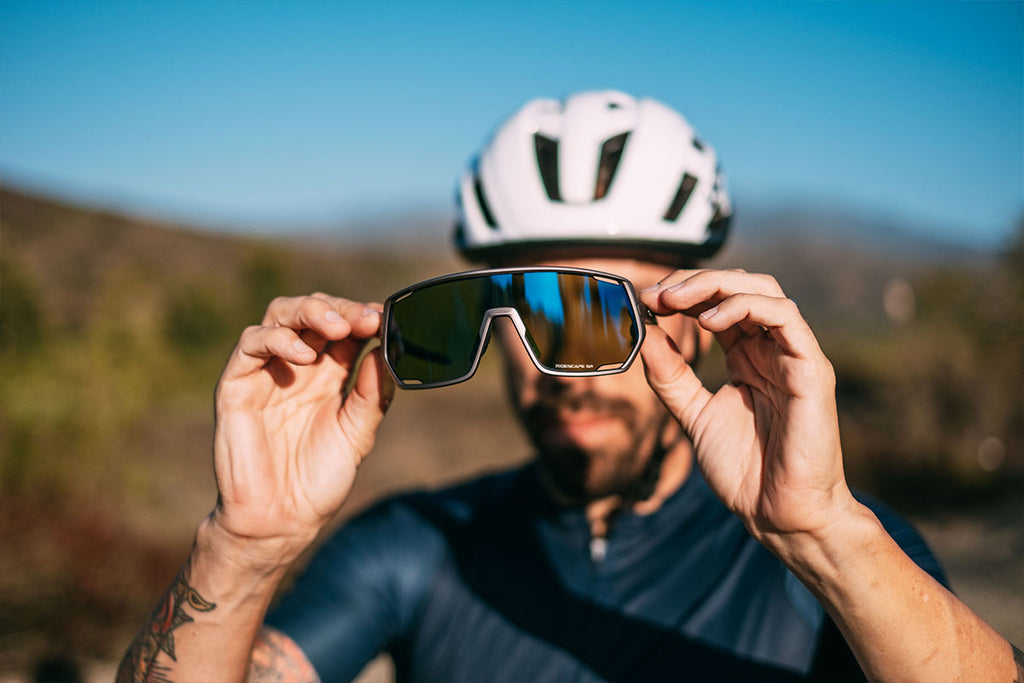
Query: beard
{"type": "Point", "coordinates": [581, 475]}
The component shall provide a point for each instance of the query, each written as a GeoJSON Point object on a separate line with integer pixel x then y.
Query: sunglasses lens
{"type": "Point", "coordinates": [577, 323]}
{"type": "Point", "coordinates": [574, 323]}
{"type": "Point", "coordinates": [434, 332]}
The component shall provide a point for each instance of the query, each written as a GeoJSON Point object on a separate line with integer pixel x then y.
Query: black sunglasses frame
{"type": "Point", "coordinates": [639, 312]}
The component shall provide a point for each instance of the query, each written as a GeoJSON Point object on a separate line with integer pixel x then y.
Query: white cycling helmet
{"type": "Point", "coordinates": [597, 170]}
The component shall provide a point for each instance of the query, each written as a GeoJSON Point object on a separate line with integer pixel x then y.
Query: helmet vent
{"type": "Point", "coordinates": [698, 145]}
{"type": "Point", "coordinates": [611, 153]}
{"type": "Point", "coordinates": [485, 209]}
{"type": "Point", "coordinates": [719, 221]}
{"type": "Point", "coordinates": [682, 196]}
{"type": "Point", "coordinates": [547, 163]}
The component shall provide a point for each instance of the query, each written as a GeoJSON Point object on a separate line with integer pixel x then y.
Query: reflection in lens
{"type": "Point", "coordinates": [434, 332]}
{"type": "Point", "coordinates": [575, 323]}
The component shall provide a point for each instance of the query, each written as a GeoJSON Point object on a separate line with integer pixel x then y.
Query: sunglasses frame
{"type": "Point", "coordinates": [642, 317]}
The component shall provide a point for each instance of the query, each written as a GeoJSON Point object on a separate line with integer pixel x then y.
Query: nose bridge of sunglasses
{"type": "Point", "coordinates": [498, 318]}
{"type": "Point", "coordinates": [563, 351]}
{"type": "Point", "coordinates": [510, 319]}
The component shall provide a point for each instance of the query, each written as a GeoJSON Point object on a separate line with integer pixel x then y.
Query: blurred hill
{"type": "Point", "coordinates": [113, 331]}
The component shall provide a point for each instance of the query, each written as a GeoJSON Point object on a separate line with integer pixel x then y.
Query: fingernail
{"type": "Point", "coordinates": [710, 313]}
{"type": "Point", "coordinates": [370, 311]}
{"type": "Point", "coordinates": [300, 346]}
{"type": "Point", "coordinates": [652, 288]}
{"type": "Point", "coordinates": [333, 317]}
{"type": "Point", "coordinates": [676, 287]}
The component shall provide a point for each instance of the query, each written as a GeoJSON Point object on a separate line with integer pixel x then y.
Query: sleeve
{"type": "Point", "coordinates": [360, 594]}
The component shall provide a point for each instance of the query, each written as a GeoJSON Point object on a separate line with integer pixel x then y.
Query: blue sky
{"type": "Point", "coordinates": [291, 114]}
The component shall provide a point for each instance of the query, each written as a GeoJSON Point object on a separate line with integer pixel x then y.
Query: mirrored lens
{"type": "Point", "coordinates": [434, 333]}
{"type": "Point", "coordinates": [577, 323]}
{"type": "Point", "coordinates": [574, 323]}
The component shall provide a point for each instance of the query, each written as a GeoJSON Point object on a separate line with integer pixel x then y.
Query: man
{"type": "Point", "coordinates": [663, 532]}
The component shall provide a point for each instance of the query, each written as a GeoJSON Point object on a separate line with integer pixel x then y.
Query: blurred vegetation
{"type": "Point", "coordinates": [113, 331]}
{"type": "Point", "coordinates": [932, 406]}
{"type": "Point", "coordinates": [109, 323]}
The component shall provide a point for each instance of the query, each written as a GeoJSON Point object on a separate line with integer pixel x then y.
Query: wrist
{"type": "Point", "coordinates": [264, 556]}
{"type": "Point", "coordinates": [821, 556]}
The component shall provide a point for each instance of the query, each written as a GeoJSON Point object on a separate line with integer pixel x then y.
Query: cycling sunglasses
{"type": "Point", "coordinates": [573, 322]}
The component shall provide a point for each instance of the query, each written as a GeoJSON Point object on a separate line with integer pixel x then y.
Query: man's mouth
{"type": "Point", "coordinates": [578, 419]}
{"type": "Point", "coordinates": [582, 428]}
{"type": "Point", "coordinates": [570, 416]}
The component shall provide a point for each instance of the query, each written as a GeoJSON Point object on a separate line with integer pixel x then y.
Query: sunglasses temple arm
{"type": "Point", "coordinates": [646, 317]}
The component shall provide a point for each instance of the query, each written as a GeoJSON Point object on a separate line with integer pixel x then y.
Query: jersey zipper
{"type": "Point", "coordinates": [598, 549]}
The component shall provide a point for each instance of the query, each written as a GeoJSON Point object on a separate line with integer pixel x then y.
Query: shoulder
{"type": "Point", "coordinates": [456, 504]}
{"type": "Point", "coordinates": [415, 522]}
{"type": "Point", "coordinates": [367, 583]}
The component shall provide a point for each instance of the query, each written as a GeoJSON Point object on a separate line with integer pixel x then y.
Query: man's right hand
{"type": "Point", "coordinates": [288, 441]}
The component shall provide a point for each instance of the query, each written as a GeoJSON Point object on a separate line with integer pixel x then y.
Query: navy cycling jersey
{"type": "Point", "coordinates": [491, 581]}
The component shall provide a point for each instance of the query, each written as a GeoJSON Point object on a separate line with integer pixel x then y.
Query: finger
{"type": "Point", "coordinates": [313, 340]}
{"type": "Point", "coordinates": [651, 296]}
{"type": "Point", "coordinates": [366, 321]}
{"type": "Point", "coordinates": [779, 317]}
{"type": "Point", "coordinates": [307, 312]}
{"type": "Point", "coordinates": [339, 302]}
{"type": "Point", "coordinates": [365, 318]}
{"type": "Point", "coordinates": [674, 278]}
{"type": "Point", "coordinates": [258, 345]}
{"type": "Point", "coordinates": [742, 370]}
{"type": "Point", "coordinates": [693, 292]}
{"type": "Point", "coordinates": [346, 351]}
{"type": "Point", "coordinates": [708, 288]}
{"type": "Point", "coordinates": [673, 379]}
{"type": "Point", "coordinates": [364, 408]}
{"type": "Point", "coordinates": [331, 317]}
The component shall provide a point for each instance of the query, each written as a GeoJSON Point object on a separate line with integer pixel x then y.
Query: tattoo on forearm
{"type": "Point", "coordinates": [157, 634]}
{"type": "Point", "coordinates": [277, 659]}
{"type": "Point", "coordinates": [1018, 659]}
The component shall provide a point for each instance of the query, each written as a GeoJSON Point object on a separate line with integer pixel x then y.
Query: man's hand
{"type": "Point", "coordinates": [767, 442]}
{"type": "Point", "coordinates": [768, 445]}
{"type": "Point", "coordinates": [288, 441]}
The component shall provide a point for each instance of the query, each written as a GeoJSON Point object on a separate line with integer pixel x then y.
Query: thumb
{"type": "Point", "coordinates": [673, 379]}
{"type": "Point", "coordinates": [363, 409]}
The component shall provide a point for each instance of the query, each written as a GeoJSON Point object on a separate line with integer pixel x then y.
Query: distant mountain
{"type": "Point", "coordinates": [755, 228]}
{"type": "Point", "coordinates": [836, 265]}
{"type": "Point", "coordinates": [846, 228]}
{"type": "Point", "coordinates": [429, 227]}
{"type": "Point", "coordinates": [80, 257]}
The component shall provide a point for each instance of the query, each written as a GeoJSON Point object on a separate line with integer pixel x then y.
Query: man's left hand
{"type": "Point", "coordinates": [768, 441]}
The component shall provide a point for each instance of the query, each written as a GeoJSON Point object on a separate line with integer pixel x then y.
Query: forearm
{"type": "Point", "coordinates": [900, 623]}
{"type": "Point", "coordinates": [205, 624]}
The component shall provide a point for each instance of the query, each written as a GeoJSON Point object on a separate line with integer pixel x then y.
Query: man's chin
{"type": "Point", "coordinates": [566, 490]}
{"type": "Point", "coordinates": [575, 475]}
